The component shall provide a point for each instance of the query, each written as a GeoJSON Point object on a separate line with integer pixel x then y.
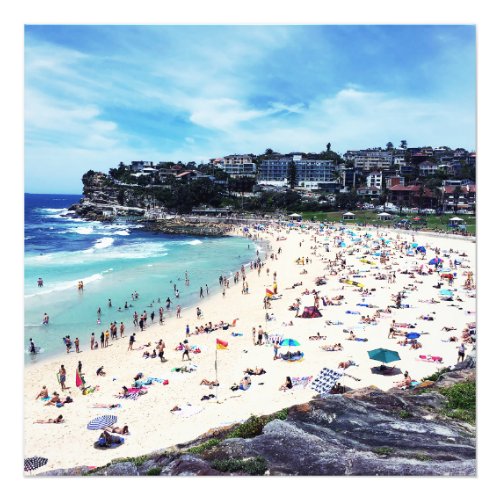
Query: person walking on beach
{"type": "Point", "coordinates": [62, 377]}
{"type": "Point", "coordinates": [178, 311]}
{"type": "Point", "coordinates": [122, 329]}
{"type": "Point", "coordinates": [131, 342]}
{"type": "Point", "coordinates": [106, 338]}
{"type": "Point", "coordinates": [136, 316]}
{"type": "Point", "coordinates": [160, 312]}
{"type": "Point", "coordinates": [92, 341]}
{"type": "Point", "coordinates": [186, 350]}
{"type": "Point", "coordinates": [77, 345]}
{"type": "Point", "coordinates": [102, 339]}
{"type": "Point", "coordinates": [206, 288]}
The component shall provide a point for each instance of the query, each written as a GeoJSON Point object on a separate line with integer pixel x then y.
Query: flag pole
{"type": "Point", "coordinates": [216, 376]}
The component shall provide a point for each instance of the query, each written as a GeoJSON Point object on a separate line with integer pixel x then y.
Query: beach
{"type": "Point", "coordinates": [153, 426]}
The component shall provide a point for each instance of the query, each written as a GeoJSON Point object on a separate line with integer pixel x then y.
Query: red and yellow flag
{"type": "Point", "coordinates": [269, 293]}
{"type": "Point", "coordinates": [221, 344]}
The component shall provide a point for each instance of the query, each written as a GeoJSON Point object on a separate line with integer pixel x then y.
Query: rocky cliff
{"type": "Point", "coordinates": [363, 432]}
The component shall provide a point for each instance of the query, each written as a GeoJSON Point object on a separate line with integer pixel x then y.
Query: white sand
{"type": "Point", "coordinates": [152, 424]}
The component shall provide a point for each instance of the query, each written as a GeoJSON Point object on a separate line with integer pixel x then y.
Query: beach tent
{"type": "Point", "coordinates": [311, 312]}
{"type": "Point", "coordinates": [384, 216]}
{"type": "Point", "coordinates": [348, 216]}
{"type": "Point", "coordinates": [295, 216]}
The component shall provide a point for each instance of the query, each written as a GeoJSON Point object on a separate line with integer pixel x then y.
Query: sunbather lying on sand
{"type": "Point", "coordinates": [347, 364]}
{"type": "Point", "coordinates": [211, 384]}
{"type": "Point", "coordinates": [118, 430]}
{"type": "Point", "coordinates": [57, 420]}
{"type": "Point", "coordinates": [257, 371]}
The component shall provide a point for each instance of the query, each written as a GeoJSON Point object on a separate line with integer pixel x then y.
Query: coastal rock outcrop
{"type": "Point", "coordinates": [363, 432]}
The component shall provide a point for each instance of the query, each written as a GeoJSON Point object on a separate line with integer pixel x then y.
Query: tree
{"type": "Point", "coordinates": [328, 147]}
{"type": "Point", "coordinates": [389, 146]}
{"type": "Point", "coordinates": [269, 152]}
{"type": "Point", "coordinates": [404, 144]}
{"type": "Point", "coordinates": [292, 175]}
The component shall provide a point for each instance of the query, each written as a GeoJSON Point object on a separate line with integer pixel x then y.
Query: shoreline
{"type": "Point", "coordinates": [149, 417]}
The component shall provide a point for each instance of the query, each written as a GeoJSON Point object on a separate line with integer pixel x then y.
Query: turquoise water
{"type": "Point", "coordinates": [113, 260]}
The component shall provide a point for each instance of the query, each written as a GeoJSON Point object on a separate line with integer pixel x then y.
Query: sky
{"type": "Point", "coordinates": [97, 95]}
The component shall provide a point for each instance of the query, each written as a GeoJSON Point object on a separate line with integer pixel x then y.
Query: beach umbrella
{"type": "Point", "coordinates": [435, 261]}
{"type": "Point", "coordinates": [383, 355]}
{"type": "Point", "coordinates": [421, 249]}
{"type": "Point", "coordinates": [326, 379]}
{"type": "Point", "coordinates": [289, 342]}
{"type": "Point", "coordinates": [101, 422]}
{"type": "Point", "coordinates": [412, 335]}
{"type": "Point", "coordinates": [33, 463]}
{"type": "Point", "coordinates": [446, 293]}
{"type": "Point", "coordinates": [414, 245]}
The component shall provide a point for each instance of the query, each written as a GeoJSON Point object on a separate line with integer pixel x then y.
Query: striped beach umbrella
{"type": "Point", "coordinates": [289, 342]}
{"type": "Point", "coordinates": [33, 463]}
{"type": "Point", "coordinates": [101, 422]}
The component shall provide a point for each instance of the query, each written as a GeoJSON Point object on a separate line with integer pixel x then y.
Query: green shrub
{"type": "Point", "coordinates": [422, 457]}
{"type": "Point", "coordinates": [203, 446]}
{"type": "Point", "coordinates": [254, 425]}
{"type": "Point", "coordinates": [255, 466]}
{"type": "Point", "coordinates": [405, 414]}
{"type": "Point", "coordinates": [155, 471]}
{"type": "Point", "coordinates": [461, 401]}
{"type": "Point", "coordinates": [435, 376]}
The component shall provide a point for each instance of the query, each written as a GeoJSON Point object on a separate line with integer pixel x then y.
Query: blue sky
{"type": "Point", "coordinates": [97, 95]}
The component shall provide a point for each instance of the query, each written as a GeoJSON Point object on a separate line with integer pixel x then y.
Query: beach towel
{"type": "Point", "coordinates": [326, 379]}
{"type": "Point", "coordinates": [234, 334]}
{"type": "Point", "coordinates": [101, 443]}
{"type": "Point", "coordinates": [357, 339]}
{"type": "Point", "coordinates": [285, 357]}
{"type": "Point", "coordinates": [352, 312]}
{"type": "Point", "coordinates": [430, 359]}
{"type": "Point", "coordinates": [301, 382]}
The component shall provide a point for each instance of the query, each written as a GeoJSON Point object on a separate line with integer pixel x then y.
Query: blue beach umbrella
{"type": "Point", "coordinates": [446, 293]}
{"type": "Point", "coordinates": [289, 342]}
{"type": "Point", "coordinates": [101, 422]}
{"type": "Point", "coordinates": [412, 335]}
{"type": "Point", "coordinates": [421, 249]}
{"type": "Point", "coordinates": [414, 245]}
{"type": "Point", "coordinates": [435, 261]}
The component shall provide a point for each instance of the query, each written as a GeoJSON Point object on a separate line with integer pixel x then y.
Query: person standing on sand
{"type": "Point", "coordinates": [206, 288]}
{"type": "Point", "coordinates": [77, 345]}
{"type": "Point", "coordinates": [106, 338]}
{"type": "Point", "coordinates": [131, 342]}
{"type": "Point", "coordinates": [160, 312]}
{"type": "Point", "coordinates": [461, 353]}
{"type": "Point", "coordinates": [260, 335]}
{"type": "Point", "coordinates": [62, 377]}
{"type": "Point", "coordinates": [186, 350]}
{"type": "Point", "coordinates": [201, 292]}
{"type": "Point", "coordinates": [122, 329]}
{"type": "Point", "coordinates": [102, 339]}
{"type": "Point", "coordinates": [92, 341]}
{"type": "Point", "coordinates": [178, 311]}
{"type": "Point", "coordinates": [276, 346]}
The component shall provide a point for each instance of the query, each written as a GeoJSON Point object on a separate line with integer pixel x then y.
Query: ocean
{"type": "Point", "coordinates": [113, 260]}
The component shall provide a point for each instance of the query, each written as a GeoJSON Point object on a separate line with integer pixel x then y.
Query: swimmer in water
{"type": "Point", "coordinates": [45, 319]}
